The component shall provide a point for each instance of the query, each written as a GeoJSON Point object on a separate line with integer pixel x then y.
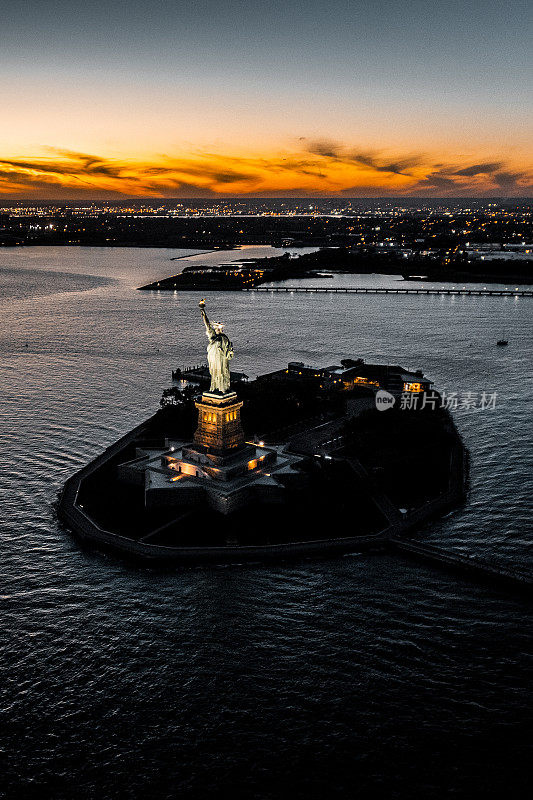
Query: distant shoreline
{"type": "Point", "coordinates": [279, 269]}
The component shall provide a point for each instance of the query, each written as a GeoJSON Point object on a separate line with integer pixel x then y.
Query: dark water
{"type": "Point", "coordinates": [360, 676]}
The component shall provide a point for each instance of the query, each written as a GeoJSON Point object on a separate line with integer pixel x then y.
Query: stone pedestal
{"type": "Point", "coordinates": [219, 468]}
{"type": "Point", "coordinates": [219, 430]}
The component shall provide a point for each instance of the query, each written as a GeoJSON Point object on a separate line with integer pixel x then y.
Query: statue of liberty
{"type": "Point", "coordinates": [219, 354]}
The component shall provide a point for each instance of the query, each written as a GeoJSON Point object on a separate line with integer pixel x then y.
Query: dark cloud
{"type": "Point", "coordinates": [155, 170]}
{"type": "Point", "coordinates": [479, 169]}
{"type": "Point", "coordinates": [174, 188]}
{"type": "Point", "coordinates": [507, 180]}
{"type": "Point", "coordinates": [230, 177]}
{"type": "Point", "coordinates": [210, 173]}
{"type": "Point", "coordinates": [440, 182]}
{"type": "Point", "coordinates": [398, 167]}
{"type": "Point", "coordinates": [327, 149]}
{"type": "Point", "coordinates": [436, 181]}
{"type": "Point", "coordinates": [91, 164]}
{"type": "Point", "coordinates": [50, 187]}
{"type": "Point", "coordinates": [324, 148]}
{"type": "Point", "coordinates": [46, 179]}
{"type": "Point", "coordinates": [312, 172]}
{"type": "Point", "coordinates": [38, 164]}
{"type": "Point", "coordinates": [300, 166]}
{"type": "Point", "coordinates": [69, 163]}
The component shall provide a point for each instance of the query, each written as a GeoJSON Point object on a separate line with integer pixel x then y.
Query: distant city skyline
{"type": "Point", "coordinates": [112, 100]}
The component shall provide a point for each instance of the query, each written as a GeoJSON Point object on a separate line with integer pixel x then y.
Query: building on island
{"type": "Point", "coordinates": [355, 372]}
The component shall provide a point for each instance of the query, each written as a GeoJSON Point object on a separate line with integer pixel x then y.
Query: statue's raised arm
{"type": "Point", "coordinates": [219, 354]}
{"type": "Point", "coordinates": [208, 327]}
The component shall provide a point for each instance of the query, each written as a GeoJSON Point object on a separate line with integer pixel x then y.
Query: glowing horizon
{"type": "Point", "coordinates": [322, 169]}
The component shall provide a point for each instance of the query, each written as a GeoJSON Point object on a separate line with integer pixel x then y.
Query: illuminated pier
{"type": "Point", "coordinates": [379, 290]}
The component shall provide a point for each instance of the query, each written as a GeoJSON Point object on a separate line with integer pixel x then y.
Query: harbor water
{"type": "Point", "coordinates": [347, 677]}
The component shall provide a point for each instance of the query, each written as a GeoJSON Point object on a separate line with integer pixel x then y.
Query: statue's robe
{"type": "Point", "coordinates": [219, 354]}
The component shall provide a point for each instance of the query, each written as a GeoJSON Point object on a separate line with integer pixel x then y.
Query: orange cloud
{"type": "Point", "coordinates": [317, 168]}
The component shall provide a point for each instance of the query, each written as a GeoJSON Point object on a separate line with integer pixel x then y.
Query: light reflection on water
{"type": "Point", "coordinates": [174, 677]}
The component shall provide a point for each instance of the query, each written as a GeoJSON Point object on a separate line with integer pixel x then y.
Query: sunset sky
{"type": "Point", "coordinates": [265, 98]}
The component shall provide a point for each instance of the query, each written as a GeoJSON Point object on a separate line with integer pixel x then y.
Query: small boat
{"type": "Point", "coordinates": [502, 342]}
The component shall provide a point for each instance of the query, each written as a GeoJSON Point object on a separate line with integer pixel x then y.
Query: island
{"type": "Point", "coordinates": [481, 266]}
{"type": "Point", "coordinates": [302, 461]}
